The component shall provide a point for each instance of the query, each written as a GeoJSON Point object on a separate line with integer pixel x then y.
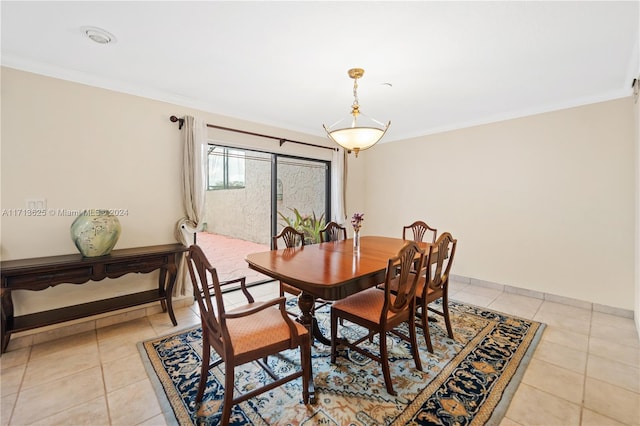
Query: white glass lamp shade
{"type": "Point", "coordinates": [359, 138]}
{"type": "Point", "coordinates": [356, 138]}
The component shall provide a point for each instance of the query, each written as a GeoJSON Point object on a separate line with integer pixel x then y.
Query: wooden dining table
{"type": "Point", "coordinates": [330, 271]}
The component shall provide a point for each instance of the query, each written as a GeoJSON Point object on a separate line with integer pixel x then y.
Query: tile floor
{"type": "Point", "coordinates": [585, 370]}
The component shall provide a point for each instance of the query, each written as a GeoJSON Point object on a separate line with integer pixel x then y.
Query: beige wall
{"type": "Point", "coordinates": [636, 109]}
{"type": "Point", "coordinates": [82, 147]}
{"type": "Point", "coordinates": [544, 202]}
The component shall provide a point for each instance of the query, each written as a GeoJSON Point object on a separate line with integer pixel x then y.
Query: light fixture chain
{"type": "Point", "coordinates": [355, 108]}
{"type": "Point", "coordinates": [355, 92]}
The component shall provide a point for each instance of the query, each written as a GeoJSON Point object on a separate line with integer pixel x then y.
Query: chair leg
{"type": "Point", "coordinates": [384, 358]}
{"type": "Point", "coordinates": [305, 360]}
{"type": "Point", "coordinates": [425, 327]}
{"type": "Point", "coordinates": [414, 343]}
{"type": "Point", "coordinates": [227, 401]}
{"type": "Point", "coordinates": [204, 370]}
{"type": "Point", "coordinates": [445, 312]}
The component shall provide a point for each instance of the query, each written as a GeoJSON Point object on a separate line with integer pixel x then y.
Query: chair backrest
{"type": "Point", "coordinates": [290, 236]}
{"type": "Point", "coordinates": [402, 279]}
{"type": "Point", "coordinates": [439, 263]}
{"type": "Point", "coordinates": [205, 291]}
{"type": "Point", "coordinates": [333, 232]}
{"type": "Point", "coordinates": [420, 229]}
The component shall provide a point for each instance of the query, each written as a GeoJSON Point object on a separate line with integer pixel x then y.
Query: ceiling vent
{"type": "Point", "coordinates": [99, 35]}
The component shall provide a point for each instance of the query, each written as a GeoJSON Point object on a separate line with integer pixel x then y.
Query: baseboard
{"type": "Point", "coordinates": [57, 331]}
{"type": "Point", "coordinates": [595, 307]}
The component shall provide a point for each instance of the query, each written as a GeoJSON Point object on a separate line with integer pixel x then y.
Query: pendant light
{"type": "Point", "coordinates": [356, 132]}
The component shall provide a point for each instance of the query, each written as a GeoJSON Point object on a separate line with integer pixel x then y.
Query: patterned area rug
{"type": "Point", "coordinates": [468, 380]}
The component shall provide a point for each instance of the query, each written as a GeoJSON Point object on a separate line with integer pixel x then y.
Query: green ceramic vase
{"type": "Point", "coordinates": [95, 232]}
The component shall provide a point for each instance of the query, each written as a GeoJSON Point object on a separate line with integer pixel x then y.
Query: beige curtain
{"type": "Point", "coordinates": [193, 190]}
{"type": "Point", "coordinates": [338, 186]}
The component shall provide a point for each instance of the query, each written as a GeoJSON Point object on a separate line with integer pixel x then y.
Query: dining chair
{"type": "Point", "coordinates": [291, 237]}
{"type": "Point", "coordinates": [247, 333]}
{"type": "Point", "coordinates": [333, 232]}
{"type": "Point", "coordinates": [434, 284]}
{"type": "Point", "coordinates": [419, 230]}
{"type": "Point", "coordinates": [382, 312]}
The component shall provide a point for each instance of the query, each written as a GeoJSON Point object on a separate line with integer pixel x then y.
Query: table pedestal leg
{"type": "Point", "coordinates": [306, 303]}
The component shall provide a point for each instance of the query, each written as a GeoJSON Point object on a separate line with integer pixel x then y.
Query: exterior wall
{"type": "Point", "coordinates": [302, 189]}
{"type": "Point", "coordinates": [243, 213]}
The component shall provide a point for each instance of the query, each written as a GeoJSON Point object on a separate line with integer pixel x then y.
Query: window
{"type": "Point", "coordinates": [226, 168]}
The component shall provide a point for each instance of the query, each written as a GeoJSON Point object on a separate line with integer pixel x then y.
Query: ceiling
{"type": "Point", "coordinates": [429, 66]}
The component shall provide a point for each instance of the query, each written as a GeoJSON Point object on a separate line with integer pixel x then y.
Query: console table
{"type": "Point", "coordinates": [43, 272]}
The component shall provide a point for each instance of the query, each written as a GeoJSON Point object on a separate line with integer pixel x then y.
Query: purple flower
{"type": "Point", "coordinates": [356, 221]}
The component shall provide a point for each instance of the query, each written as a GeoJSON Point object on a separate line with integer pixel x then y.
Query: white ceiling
{"type": "Point", "coordinates": [449, 64]}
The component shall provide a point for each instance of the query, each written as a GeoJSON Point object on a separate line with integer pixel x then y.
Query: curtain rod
{"type": "Point", "coordinates": [180, 122]}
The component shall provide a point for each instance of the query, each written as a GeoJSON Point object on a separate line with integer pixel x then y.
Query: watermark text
{"type": "Point", "coordinates": [63, 212]}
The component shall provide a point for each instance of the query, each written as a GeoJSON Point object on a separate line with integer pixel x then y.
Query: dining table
{"type": "Point", "coordinates": [329, 271]}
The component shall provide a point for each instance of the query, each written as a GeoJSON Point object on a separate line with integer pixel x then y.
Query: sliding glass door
{"type": "Point", "coordinates": [302, 195]}
{"type": "Point", "coordinates": [237, 200]}
{"type": "Point", "coordinates": [250, 196]}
